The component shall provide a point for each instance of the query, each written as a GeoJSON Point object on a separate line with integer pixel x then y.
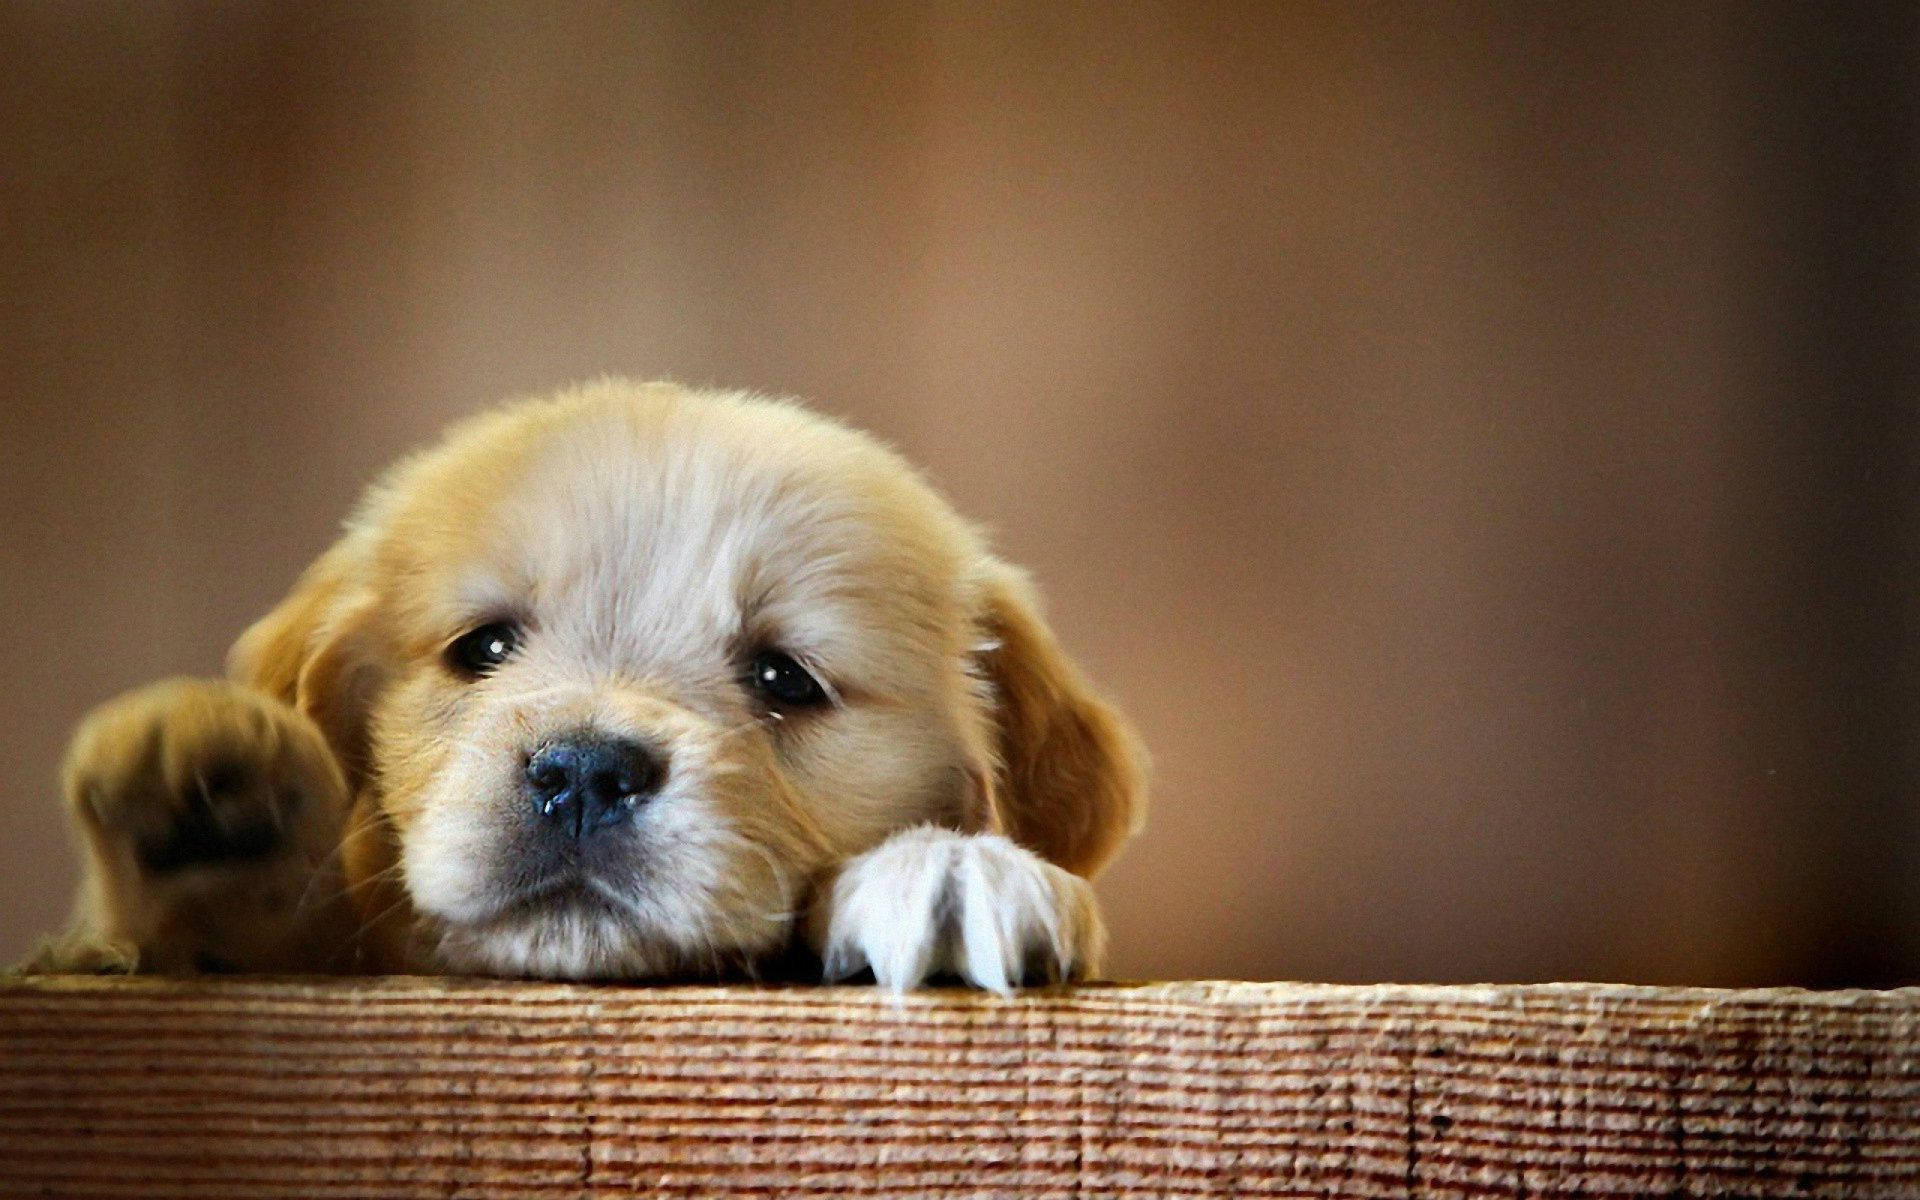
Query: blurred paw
{"type": "Point", "coordinates": [930, 903]}
{"type": "Point", "coordinates": [79, 957]}
{"type": "Point", "coordinates": [211, 814]}
{"type": "Point", "coordinates": [197, 775]}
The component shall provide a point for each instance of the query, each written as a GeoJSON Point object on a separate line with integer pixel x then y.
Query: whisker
{"type": "Point", "coordinates": [617, 898]}
{"type": "Point", "coordinates": [213, 810]}
{"type": "Point", "coordinates": [766, 721]}
{"type": "Point", "coordinates": [379, 821]}
{"type": "Point", "coordinates": [368, 925]}
{"type": "Point", "coordinates": [390, 871]}
{"type": "Point", "coordinates": [359, 885]}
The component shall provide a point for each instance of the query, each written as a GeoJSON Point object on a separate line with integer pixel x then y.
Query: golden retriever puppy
{"type": "Point", "coordinates": [635, 681]}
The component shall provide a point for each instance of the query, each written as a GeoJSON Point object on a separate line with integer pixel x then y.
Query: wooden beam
{"type": "Point", "coordinates": [412, 1087]}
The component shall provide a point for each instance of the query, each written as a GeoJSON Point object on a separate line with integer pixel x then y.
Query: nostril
{"type": "Point", "coordinates": [611, 784]}
{"type": "Point", "coordinates": [546, 775]}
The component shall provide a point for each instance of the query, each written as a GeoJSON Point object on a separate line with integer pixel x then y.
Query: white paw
{"type": "Point", "coordinates": [930, 902]}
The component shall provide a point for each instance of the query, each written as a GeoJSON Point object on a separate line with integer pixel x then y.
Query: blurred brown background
{"type": "Point", "coordinates": [1478, 444]}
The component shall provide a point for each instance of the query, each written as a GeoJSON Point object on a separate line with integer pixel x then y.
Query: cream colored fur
{"type": "Point", "coordinates": [647, 538]}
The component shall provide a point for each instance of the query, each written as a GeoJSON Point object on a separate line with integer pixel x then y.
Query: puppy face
{"type": "Point", "coordinates": [620, 674]}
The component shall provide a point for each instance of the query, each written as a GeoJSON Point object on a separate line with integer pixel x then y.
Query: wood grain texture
{"type": "Point", "coordinates": [405, 1087]}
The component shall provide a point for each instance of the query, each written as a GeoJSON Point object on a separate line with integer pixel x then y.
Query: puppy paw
{"type": "Point", "coordinates": [191, 775]}
{"type": "Point", "coordinates": [207, 810]}
{"type": "Point", "coordinates": [931, 902]}
{"type": "Point", "coordinates": [68, 956]}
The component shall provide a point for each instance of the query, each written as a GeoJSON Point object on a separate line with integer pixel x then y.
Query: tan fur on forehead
{"type": "Point", "coordinates": [653, 443]}
{"type": "Point", "coordinates": [663, 514]}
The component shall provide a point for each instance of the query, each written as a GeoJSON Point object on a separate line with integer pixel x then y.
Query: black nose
{"type": "Point", "coordinates": [585, 784]}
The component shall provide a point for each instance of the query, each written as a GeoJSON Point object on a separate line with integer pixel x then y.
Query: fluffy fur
{"type": "Point", "coordinates": [938, 814]}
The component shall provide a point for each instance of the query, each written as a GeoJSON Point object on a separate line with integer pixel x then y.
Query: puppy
{"type": "Point", "coordinates": [635, 681]}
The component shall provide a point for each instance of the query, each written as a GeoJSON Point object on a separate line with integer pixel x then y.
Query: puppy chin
{"type": "Point", "coordinates": [574, 941]}
{"type": "Point", "coordinates": [721, 904]}
{"type": "Point", "coordinates": [597, 935]}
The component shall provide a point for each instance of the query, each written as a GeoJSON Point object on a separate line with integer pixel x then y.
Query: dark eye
{"type": "Point", "coordinates": [483, 649]}
{"type": "Point", "coordinates": [783, 681]}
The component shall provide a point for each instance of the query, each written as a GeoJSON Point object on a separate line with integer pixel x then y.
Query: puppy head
{"type": "Point", "coordinates": [625, 670]}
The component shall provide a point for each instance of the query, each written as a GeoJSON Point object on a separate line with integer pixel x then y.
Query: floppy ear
{"type": "Point", "coordinates": [1070, 783]}
{"type": "Point", "coordinates": [315, 653]}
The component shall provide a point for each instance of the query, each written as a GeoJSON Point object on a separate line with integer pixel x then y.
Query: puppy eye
{"type": "Point", "coordinates": [783, 681]}
{"type": "Point", "coordinates": [479, 651]}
